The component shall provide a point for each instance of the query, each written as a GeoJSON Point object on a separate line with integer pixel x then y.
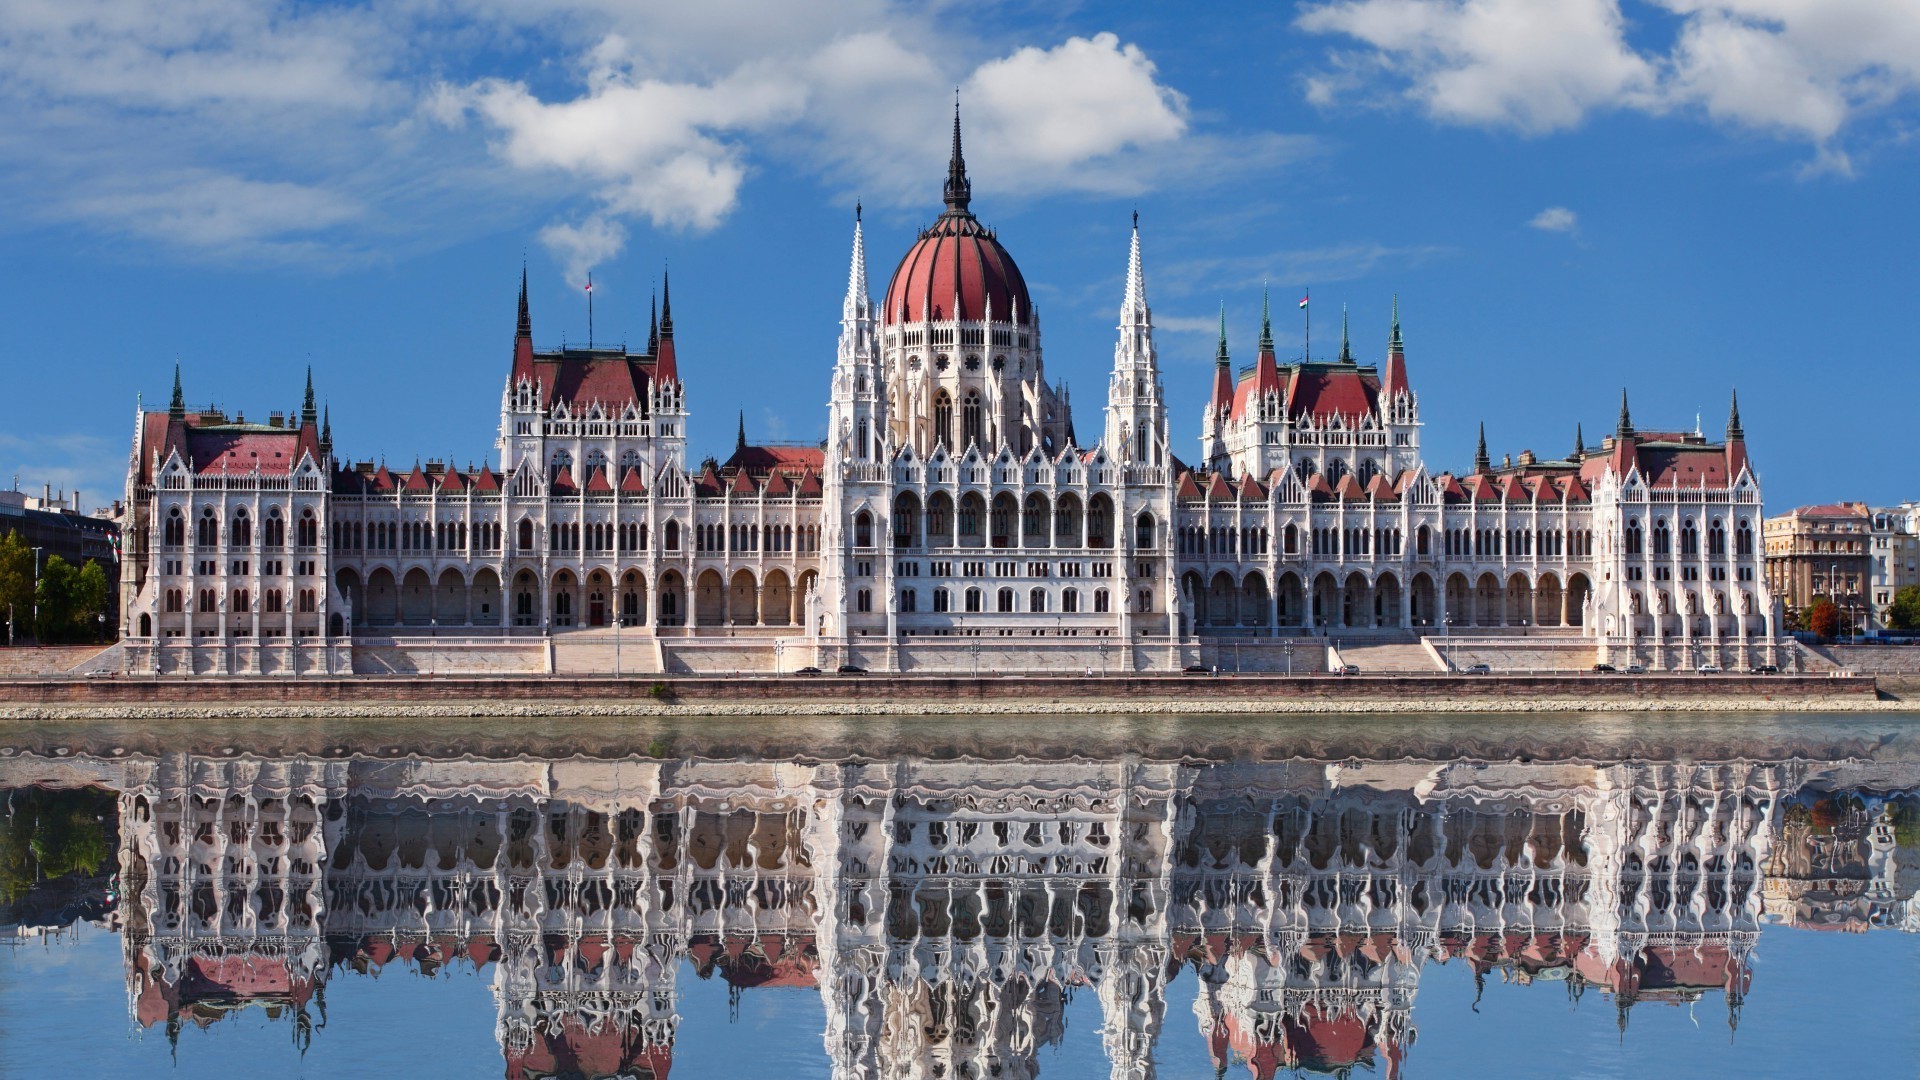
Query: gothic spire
{"type": "Point", "coordinates": [959, 191]}
{"type": "Point", "coordinates": [1579, 443]}
{"type": "Point", "coordinates": [1482, 463]}
{"type": "Point", "coordinates": [526, 316]}
{"type": "Point", "coordinates": [859, 301]}
{"type": "Point", "coordinates": [1133, 307]}
{"type": "Point", "coordinates": [1626, 418]}
{"type": "Point", "coordinates": [326, 430]}
{"type": "Point", "coordinates": [666, 307]}
{"type": "Point", "coordinates": [306, 406]}
{"type": "Point", "coordinates": [653, 324]}
{"type": "Point", "coordinates": [1733, 419]}
{"type": "Point", "coordinates": [1346, 346]}
{"type": "Point", "coordinates": [1394, 344]}
{"type": "Point", "coordinates": [178, 408]}
{"type": "Point", "coordinates": [740, 440]}
{"type": "Point", "coordinates": [1220, 357]}
{"type": "Point", "coordinates": [1266, 320]}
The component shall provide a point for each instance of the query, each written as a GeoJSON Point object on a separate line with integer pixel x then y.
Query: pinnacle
{"type": "Point", "coordinates": [1134, 305]}
{"type": "Point", "coordinates": [1221, 355]}
{"type": "Point", "coordinates": [1266, 320]}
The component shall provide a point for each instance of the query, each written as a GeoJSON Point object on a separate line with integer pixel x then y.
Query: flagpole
{"type": "Point", "coordinates": [589, 309]}
{"type": "Point", "coordinates": [1306, 305]}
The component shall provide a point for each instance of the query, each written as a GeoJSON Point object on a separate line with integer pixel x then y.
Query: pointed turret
{"type": "Point", "coordinates": [1625, 454]}
{"type": "Point", "coordinates": [1395, 382]}
{"type": "Point", "coordinates": [653, 324]}
{"type": "Point", "coordinates": [1579, 443]}
{"type": "Point", "coordinates": [1133, 305]}
{"type": "Point", "coordinates": [666, 366]}
{"type": "Point", "coordinates": [1481, 462]}
{"type": "Point", "coordinates": [858, 304]}
{"type": "Point", "coordinates": [740, 440]}
{"type": "Point", "coordinates": [959, 191]}
{"type": "Point", "coordinates": [1736, 439]}
{"type": "Point", "coordinates": [307, 414]}
{"type": "Point", "coordinates": [1625, 427]}
{"type": "Point", "coordinates": [326, 431]}
{"type": "Point", "coordinates": [1346, 343]}
{"type": "Point", "coordinates": [1222, 402]}
{"type": "Point", "coordinates": [1266, 320]}
{"type": "Point", "coordinates": [177, 409]}
{"type": "Point", "coordinates": [525, 329]}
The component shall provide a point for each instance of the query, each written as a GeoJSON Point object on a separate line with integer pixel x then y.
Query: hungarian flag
{"type": "Point", "coordinates": [1303, 301]}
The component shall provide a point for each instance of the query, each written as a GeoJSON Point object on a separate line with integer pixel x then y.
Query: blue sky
{"type": "Point", "coordinates": [1569, 196]}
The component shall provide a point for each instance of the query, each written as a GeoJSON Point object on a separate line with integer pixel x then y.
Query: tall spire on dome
{"type": "Point", "coordinates": [1481, 462]}
{"type": "Point", "coordinates": [859, 302]}
{"type": "Point", "coordinates": [525, 328]}
{"type": "Point", "coordinates": [959, 191]}
{"type": "Point", "coordinates": [1133, 306]}
{"type": "Point", "coordinates": [177, 409]}
{"type": "Point", "coordinates": [1266, 320]}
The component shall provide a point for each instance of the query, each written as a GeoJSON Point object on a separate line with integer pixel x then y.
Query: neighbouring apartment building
{"type": "Point", "coordinates": [1823, 550]}
{"type": "Point", "coordinates": [954, 511]}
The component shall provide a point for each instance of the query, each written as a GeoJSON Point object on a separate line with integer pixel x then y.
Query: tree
{"type": "Point", "coordinates": [56, 601]}
{"type": "Point", "coordinates": [1823, 618]}
{"type": "Point", "coordinates": [16, 583]}
{"type": "Point", "coordinates": [1904, 612]}
{"type": "Point", "coordinates": [89, 600]}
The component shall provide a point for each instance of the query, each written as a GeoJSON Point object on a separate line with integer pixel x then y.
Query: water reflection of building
{"type": "Point", "coordinates": [946, 912]}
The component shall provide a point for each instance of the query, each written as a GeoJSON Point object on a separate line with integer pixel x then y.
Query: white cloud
{"type": "Point", "coordinates": [1556, 219]}
{"type": "Point", "coordinates": [204, 209]}
{"type": "Point", "coordinates": [1802, 69]}
{"type": "Point", "coordinates": [582, 247]}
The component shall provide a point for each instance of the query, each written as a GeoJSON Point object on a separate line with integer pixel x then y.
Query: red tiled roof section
{"type": "Point", "coordinates": [957, 260]}
{"type": "Point", "coordinates": [1323, 391]}
{"type": "Point", "coordinates": [790, 460]}
{"type": "Point", "coordinates": [597, 482]}
{"type": "Point", "coordinates": [1690, 466]}
{"type": "Point", "coordinates": [632, 483]}
{"type": "Point", "coordinates": [578, 378]}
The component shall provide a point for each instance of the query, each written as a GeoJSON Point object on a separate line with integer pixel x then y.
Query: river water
{"type": "Point", "coordinates": [954, 897]}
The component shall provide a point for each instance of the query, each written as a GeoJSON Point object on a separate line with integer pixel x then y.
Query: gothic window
{"type": "Point", "coordinates": [1662, 538]}
{"type": "Point", "coordinates": [272, 601]}
{"type": "Point", "coordinates": [1097, 524]}
{"type": "Point", "coordinates": [240, 601]}
{"type": "Point", "coordinates": [860, 447]}
{"type": "Point", "coordinates": [863, 530]}
{"type": "Point", "coordinates": [1037, 601]}
{"type": "Point", "coordinates": [1143, 531]}
{"type": "Point", "coordinates": [1102, 601]}
{"type": "Point", "coordinates": [672, 532]}
{"type": "Point", "coordinates": [975, 599]}
{"type": "Point", "coordinates": [209, 531]}
{"type": "Point", "coordinates": [863, 601]}
{"type": "Point", "coordinates": [1336, 471]}
{"type": "Point", "coordinates": [1304, 469]}
{"type": "Point", "coordinates": [1689, 539]}
{"type": "Point", "coordinates": [1420, 541]}
{"type": "Point", "coordinates": [970, 515]}
{"type": "Point", "coordinates": [1070, 601]}
{"type": "Point", "coordinates": [1005, 601]}
{"type": "Point", "coordinates": [1743, 539]}
{"type": "Point", "coordinates": [942, 600]}
{"type": "Point", "coordinates": [1144, 602]}
{"type": "Point", "coordinates": [562, 460]}
{"type": "Point", "coordinates": [970, 418]}
{"type": "Point", "coordinates": [308, 532]}
{"type": "Point", "coordinates": [596, 461]}
{"type": "Point", "coordinates": [1367, 472]}
{"type": "Point", "coordinates": [308, 601]}
{"type": "Point", "coordinates": [274, 533]}
{"type": "Point", "coordinates": [1635, 543]}
{"type": "Point", "coordinates": [176, 529]}
{"type": "Point", "coordinates": [173, 601]}
{"type": "Point", "coordinates": [1290, 539]}
{"type": "Point", "coordinates": [909, 601]}
{"type": "Point", "coordinates": [1717, 539]}
{"type": "Point", "coordinates": [630, 460]}
{"type": "Point", "coordinates": [242, 534]}
{"type": "Point", "coordinates": [943, 418]}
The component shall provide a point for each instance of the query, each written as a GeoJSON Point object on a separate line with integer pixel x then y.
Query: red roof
{"type": "Point", "coordinates": [791, 460]}
{"type": "Point", "coordinates": [1188, 489]}
{"type": "Point", "coordinates": [563, 482]}
{"type": "Point", "coordinates": [597, 482]}
{"type": "Point", "coordinates": [632, 483]}
{"type": "Point", "coordinates": [809, 484]}
{"type": "Point", "coordinates": [1217, 488]}
{"type": "Point", "coordinates": [486, 480]}
{"type": "Point", "coordinates": [957, 270]}
{"type": "Point", "coordinates": [209, 444]}
{"type": "Point", "coordinates": [1323, 391]}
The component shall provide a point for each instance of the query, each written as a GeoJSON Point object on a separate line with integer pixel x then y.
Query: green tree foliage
{"type": "Point", "coordinates": [90, 600]}
{"type": "Point", "coordinates": [16, 582]}
{"type": "Point", "coordinates": [1823, 618]}
{"type": "Point", "coordinates": [48, 834]}
{"type": "Point", "coordinates": [55, 597]}
{"type": "Point", "coordinates": [1904, 612]}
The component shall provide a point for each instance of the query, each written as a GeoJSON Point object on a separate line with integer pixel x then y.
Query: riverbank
{"type": "Point", "coordinates": [895, 695]}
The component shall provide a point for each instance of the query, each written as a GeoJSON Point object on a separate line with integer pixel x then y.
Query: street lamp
{"type": "Point", "coordinates": [973, 650]}
{"type": "Point", "coordinates": [36, 596]}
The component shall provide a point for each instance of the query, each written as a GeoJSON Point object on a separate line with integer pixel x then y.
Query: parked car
{"type": "Point", "coordinates": [809, 670]}
{"type": "Point", "coordinates": [1767, 669]}
{"type": "Point", "coordinates": [852, 669]}
{"type": "Point", "coordinates": [1479, 669]}
{"type": "Point", "coordinates": [1708, 669]}
{"type": "Point", "coordinates": [1635, 669]}
{"type": "Point", "coordinates": [1198, 669]}
{"type": "Point", "coordinates": [1347, 669]}
{"type": "Point", "coordinates": [1605, 669]}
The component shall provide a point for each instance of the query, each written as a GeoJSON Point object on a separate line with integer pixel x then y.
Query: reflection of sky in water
{"type": "Point", "coordinates": [1822, 1004]}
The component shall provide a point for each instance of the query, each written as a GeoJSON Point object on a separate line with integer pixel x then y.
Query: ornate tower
{"type": "Point", "coordinates": [1136, 408]}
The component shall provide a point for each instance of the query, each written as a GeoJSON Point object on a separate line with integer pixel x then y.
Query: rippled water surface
{"type": "Point", "coordinates": [872, 897]}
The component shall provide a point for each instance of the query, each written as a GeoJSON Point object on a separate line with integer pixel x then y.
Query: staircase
{"type": "Point", "coordinates": [1387, 657]}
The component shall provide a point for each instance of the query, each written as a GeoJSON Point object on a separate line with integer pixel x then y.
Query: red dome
{"type": "Point", "coordinates": [957, 261]}
{"type": "Point", "coordinates": [957, 269]}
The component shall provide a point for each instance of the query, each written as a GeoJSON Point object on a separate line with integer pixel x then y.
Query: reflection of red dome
{"type": "Point", "coordinates": [957, 269]}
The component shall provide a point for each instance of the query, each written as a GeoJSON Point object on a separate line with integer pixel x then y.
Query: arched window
{"type": "Point", "coordinates": [970, 419]}
{"type": "Point", "coordinates": [1336, 471]}
{"type": "Point", "coordinates": [1662, 538]}
{"type": "Point", "coordinates": [942, 600]}
{"type": "Point", "coordinates": [1689, 539]}
{"type": "Point", "coordinates": [672, 535]}
{"type": "Point", "coordinates": [241, 601]}
{"type": "Point", "coordinates": [863, 530]}
{"type": "Point", "coordinates": [1420, 541]}
{"type": "Point", "coordinates": [943, 418]}
{"type": "Point", "coordinates": [909, 601]}
{"type": "Point", "coordinates": [1143, 531]}
{"type": "Point", "coordinates": [860, 447]}
{"type": "Point", "coordinates": [1070, 601]}
{"type": "Point", "coordinates": [1004, 602]}
{"type": "Point", "coordinates": [1635, 544]}
{"type": "Point", "coordinates": [274, 533]}
{"type": "Point", "coordinates": [1717, 538]}
{"type": "Point", "coordinates": [1290, 540]}
{"type": "Point", "coordinates": [1037, 601]}
{"type": "Point", "coordinates": [176, 529]}
{"type": "Point", "coordinates": [209, 531]}
{"type": "Point", "coordinates": [526, 535]}
{"type": "Point", "coordinates": [242, 534]}
{"type": "Point", "coordinates": [307, 534]}
{"type": "Point", "coordinates": [1102, 602]}
{"type": "Point", "coordinates": [1743, 539]}
{"type": "Point", "coordinates": [975, 600]}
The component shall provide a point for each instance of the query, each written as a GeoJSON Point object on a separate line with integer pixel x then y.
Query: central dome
{"type": "Point", "coordinates": [957, 270]}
